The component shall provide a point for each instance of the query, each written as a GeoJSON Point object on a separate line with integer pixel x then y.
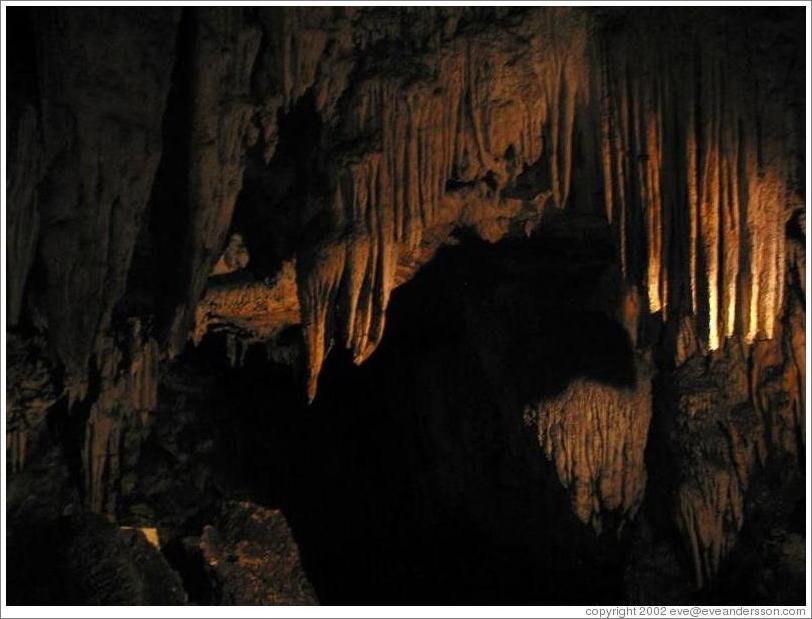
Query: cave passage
{"type": "Point", "coordinates": [412, 478]}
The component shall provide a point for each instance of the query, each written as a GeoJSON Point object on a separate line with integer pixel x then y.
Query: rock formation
{"type": "Point", "coordinates": [596, 435]}
{"type": "Point", "coordinates": [268, 178]}
{"type": "Point", "coordinates": [250, 557]}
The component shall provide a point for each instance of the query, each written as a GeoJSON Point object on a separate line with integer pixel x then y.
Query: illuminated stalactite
{"type": "Point", "coordinates": [732, 417]}
{"type": "Point", "coordinates": [596, 434]}
{"type": "Point", "coordinates": [477, 118]}
{"type": "Point", "coordinates": [694, 191]}
{"type": "Point", "coordinates": [687, 147]}
{"type": "Point", "coordinates": [726, 439]}
{"type": "Point", "coordinates": [706, 180]}
{"type": "Point", "coordinates": [698, 220]}
{"type": "Point", "coordinates": [709, 518]}
{"type": "Point", "coordinates": [766, 219]}
{"type": "Point", "coordinates": [695, 212]}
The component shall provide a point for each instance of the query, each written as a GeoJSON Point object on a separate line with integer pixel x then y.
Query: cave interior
{"type": "Point", "coordinates": [405, 305]}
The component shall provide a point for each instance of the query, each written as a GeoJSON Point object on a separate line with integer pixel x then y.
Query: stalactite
{"type": "Point", "coordinates": [696, 145]}
{"type": "Point", "coordinates": [765, 223]}
{"type": "Point", "coordinates": [709, 518]}
{"type": "Point", "coordinates": [128, 392]}
{"type": "Point", "coordinates": [596, 436]}
{"type": "Point", "coordinates": [317, 294]}
{"type": "Point", "coordinates": [710, 498]}
{"type": "Point", "coordinates": [225, 47]}
{"type": "Point", "coordinates": [235, 350]}
{"type": "Point", "coordinates": [713, 139]}
{"type": "Point", "coordinates": [777, 375]}
{"type": "Point", "coordinates": [475, 111]}
{"type": "Point", "coordinates": [16, 442]}
{"type": "Point", "coordinates": [727, 426]}
{"type": "Point", "coordinates": [681, 146]}
{"type": "Point", "coordinates": [476, 120]}
{"type": "Point", "coordinates": [465, 115]}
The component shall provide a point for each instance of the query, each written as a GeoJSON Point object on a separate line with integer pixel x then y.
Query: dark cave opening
{"type": "Point", "coordinates": [428, 487]}
{"type": "Point", "coordinates": [270, 212]}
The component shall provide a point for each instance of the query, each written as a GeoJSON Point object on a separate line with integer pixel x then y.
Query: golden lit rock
{"type": "Point", "coordinates": [596, 436]}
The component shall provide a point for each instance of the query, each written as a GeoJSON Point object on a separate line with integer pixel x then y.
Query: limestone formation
{"type": "Point", "coordinates": [484, 107]}
{"type": "Point", "coordinates": [101, 142]}
{"type": "Point", "coordinates": [264, 178]}
{"type": "Point", "coordinates": [249, 557]}
{"type": "Point", "coordinates": [128, 391]}
{"type": "Point", "coordinates": [596, 436]}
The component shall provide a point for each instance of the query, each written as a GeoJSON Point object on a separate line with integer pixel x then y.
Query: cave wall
{"type": "Point", "coordinates": [330, 152]}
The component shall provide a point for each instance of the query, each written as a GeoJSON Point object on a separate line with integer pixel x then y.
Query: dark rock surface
{"type": "Point", "coordinates": [84, 559]}
{"type": "Point", "coordinates": [246, 557]}
{"type": "Point", "coordinates": [539, 272]}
